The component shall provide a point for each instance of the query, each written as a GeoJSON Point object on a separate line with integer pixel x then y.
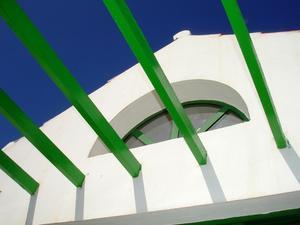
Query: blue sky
{"type": "Point", "coordinates": [86, 39]}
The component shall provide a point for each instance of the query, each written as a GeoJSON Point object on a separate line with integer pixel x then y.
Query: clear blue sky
{"type": "Point", "coordinates": [86, 39]}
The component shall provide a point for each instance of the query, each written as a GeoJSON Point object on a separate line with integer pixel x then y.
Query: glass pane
{"type": "Point", "coordinates": [133, 142]}
{"type": "Point", "coordinates": [227, 120]}
{"type": "Point", "coordinates": [199, 114]}
{"type": "Point", "coordinates": [159, 128]}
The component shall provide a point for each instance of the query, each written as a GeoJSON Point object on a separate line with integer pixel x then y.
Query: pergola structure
{"type": "Point", "coordinates": [60, 75]}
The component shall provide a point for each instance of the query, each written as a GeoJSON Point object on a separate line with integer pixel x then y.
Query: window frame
{"type": "Point", "coordinates": [223, 109]}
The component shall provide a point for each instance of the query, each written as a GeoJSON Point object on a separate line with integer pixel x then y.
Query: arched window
{"type": "Point", "coordinates": [209, 104]}
{"type": "Point", "coordinates": [204, 117]}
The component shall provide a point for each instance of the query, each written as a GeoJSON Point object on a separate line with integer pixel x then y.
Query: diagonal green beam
{"type": "Point", "coordinates": [242, 34]}
{"type": "Point", "coordinates": [140, 47]}
{"type": "Point", "coordinates": [213, 119]}
{"type": "Point", "coordinates": [49, 61]}
{"type": "Point", "coordinates": [24, 124]}
{"type": "Point", "coordinates": [17, 173]}
{"type": "Point", "coordinates": [142, 137]}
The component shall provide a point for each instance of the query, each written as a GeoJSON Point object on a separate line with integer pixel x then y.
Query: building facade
{"type": "Point", "coordinates": [247, 179]}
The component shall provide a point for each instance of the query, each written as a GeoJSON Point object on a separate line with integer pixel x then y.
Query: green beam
{"type": "Point", "coordinates": [212, 120]}
{"type": "Point", "coordinates": [140, 47]}
{"type": "Point", "coordinates": [17, 173]}
{"type": "Point", "coordinates": [241, 32]}
{"type": "Point", "coordinates": [142, 137]}
{"type": "Point", "coordinates": [24, 124]}
{"type": "Point", "coordinates": [60, 75]}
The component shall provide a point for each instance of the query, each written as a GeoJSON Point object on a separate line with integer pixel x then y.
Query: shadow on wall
{"type": "Point", "coordinates": [139, 194]}
{"type": "Point", "coordinates": [79, 204]}
{"type": "Point", "coordinates": [31, 208]}
{"type": "Point", "coordinates": [292, 160]}
{"type": "Point", "coordinates": [212, 182]}
{"type": "Point", "coordinates": [211, 179]}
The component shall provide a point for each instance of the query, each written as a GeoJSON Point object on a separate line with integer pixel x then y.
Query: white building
{"type": "Point", "coordinates": [247, 178]}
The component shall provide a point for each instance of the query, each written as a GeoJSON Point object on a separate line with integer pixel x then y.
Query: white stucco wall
{"type": "Point", "coordinates": [245, 173]}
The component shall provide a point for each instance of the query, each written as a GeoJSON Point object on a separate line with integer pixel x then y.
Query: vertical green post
{"type": "Point", "coordinates": [17, 173]}
{"type": "Point", "coordinates": [242, 34]}
{"type": "Point", "coordinates": [24, 124]}
{"type": "Point", "coordinates": [140, 47]}
{"type": "Point", "coordinates": [49, 61]}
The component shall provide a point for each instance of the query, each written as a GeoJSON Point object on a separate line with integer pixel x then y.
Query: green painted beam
{"type": "Point", "coordinates": [17, 173]}
{"type": "Point", "coordinates": [241, 32]}
{"type": "Point", "coordinates": [60, 75]}
{"type": "Point", "coordinates": [24, 124]}
{"type": "Point", "coordinates": [213, 119]}
{"type": "Point", "coordinates": [142, 137]}
{"type": "Point", "coordinates": [140, 47]}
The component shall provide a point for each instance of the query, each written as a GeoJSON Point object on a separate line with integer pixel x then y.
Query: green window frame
{"type": "Point", "coordinates": [223, 109]}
